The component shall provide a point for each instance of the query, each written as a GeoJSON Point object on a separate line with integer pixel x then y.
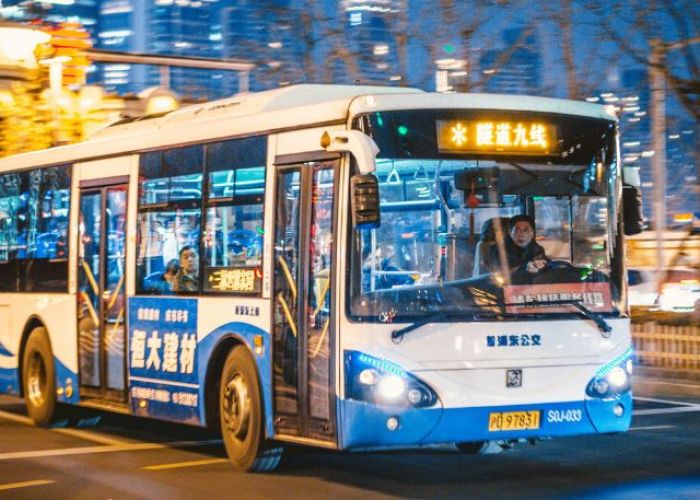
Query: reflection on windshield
{"type": "Point", "coordinates": [495, 235]}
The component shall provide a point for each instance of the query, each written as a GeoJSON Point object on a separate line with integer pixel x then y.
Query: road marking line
{"type": "Point", "coordinates": [79, 433]}
{"type": "Point", "coordinates": [664, 411]}
{"type": "Point", "coordinates": [105, 449]}
{"type": "Point", "coordinates": [16, 418]}
{"type": "Point", "coordinates": [186, 464]}
{"type": "Point", "coordinates": [25, 484]}
{"type": "Point", "coordinates": [652, 427]}
{"type": "Point", "coordinates": [92, 436]}
{"type": "Point", "coordinates": [665, 401]}
{"type": "Point", "coordinates": [661, 382]}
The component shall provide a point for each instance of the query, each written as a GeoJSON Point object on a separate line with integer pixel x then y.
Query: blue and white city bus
{"type": "Point", "coordinates": [315, 265]}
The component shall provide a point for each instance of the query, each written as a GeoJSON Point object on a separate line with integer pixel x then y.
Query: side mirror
{"type": "Point", "coordinates": [632, 210]}
{"type": "Point", "coordinates": [364, 199]}
{"type": "Point", "coordinates": [633, 216]}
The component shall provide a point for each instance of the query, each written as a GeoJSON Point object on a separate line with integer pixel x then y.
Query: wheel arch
{"type": "Point", "coordinates": [34, 321]}
{"type": "Point", "coordinates": [213, 376]}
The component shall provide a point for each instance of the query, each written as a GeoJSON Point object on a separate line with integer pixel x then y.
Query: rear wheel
{"type": "Point", "coordinates": [39, 378]}
{"type": "Point", "coordinates": [480, 447]}
{"type": "Point", "coordinates": [240, 410]}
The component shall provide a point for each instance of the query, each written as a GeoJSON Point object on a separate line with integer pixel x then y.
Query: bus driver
{"type": "Point", "coordinates": [521, 250]}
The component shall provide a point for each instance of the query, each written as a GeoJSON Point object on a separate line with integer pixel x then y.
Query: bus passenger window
{"type": "Point", "coordinates": [34, 230]}
{"type": "Point", "coordinates": [233, 236]}
{"type": "Point", "coordinates": [169, 218]}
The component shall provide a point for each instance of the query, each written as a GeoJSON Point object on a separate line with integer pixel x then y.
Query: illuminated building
{"type": "Point", "coordinates": [521, 73]}
{"type": "Point", "coordinates": [683, 195]}
{"type": "Point", "coordinates": [84, 12]}
{"type": "Point", "coordinates": [264, 32]}
{"type": "Point", "coordinates": [370, 28]}
{"type": "Point", "coordinates": [632, 100]}
{"type": "Point", "coordinates": [183, 28]}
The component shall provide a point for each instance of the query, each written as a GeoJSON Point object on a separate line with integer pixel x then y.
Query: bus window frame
{"type": "Point", "coordinates": [203, 204]}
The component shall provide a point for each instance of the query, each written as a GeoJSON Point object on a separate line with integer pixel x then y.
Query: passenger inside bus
{"type": "Point", "coordinates": [522, 252]}
{"type": "Point", "coordinates": [384, 268]}
{"type": "Point", "coordinates": [490, 231]}
{"type": "Point", "coordinates": [162, 282]}
{"type": "Point", "coordinates": [187, 277]}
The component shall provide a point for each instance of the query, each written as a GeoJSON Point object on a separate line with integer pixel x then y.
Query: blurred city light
{"type": "Point", "coordinates": [17, 49]}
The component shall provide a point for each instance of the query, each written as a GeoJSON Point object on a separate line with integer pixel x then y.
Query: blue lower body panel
{"type": "Point", "coordinates": [364, 425]}
{"type": "Point", "coordinates": [9, 381]}
{"type": "Point", "coordinates": [66, 381]}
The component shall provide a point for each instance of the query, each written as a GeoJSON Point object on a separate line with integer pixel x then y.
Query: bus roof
{"type": "Point", "coordinates": [434, 100]}
{"type": "Point", "coordinates": [252, 113]}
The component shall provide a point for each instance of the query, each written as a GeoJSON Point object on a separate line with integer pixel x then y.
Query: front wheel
{"type": "Point", "coordinates": [480, 447]}
{"type": "Point", "coordinates": [39, 378]}
{"type": "Point", "coordinates": [240, 409]}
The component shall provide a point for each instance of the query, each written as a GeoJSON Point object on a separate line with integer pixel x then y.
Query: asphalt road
{"type": "Point", "coordinates": [124, 457]}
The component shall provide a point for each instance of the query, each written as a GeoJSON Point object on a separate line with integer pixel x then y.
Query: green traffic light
{"type": "Point", "coordinates": [402, 130]}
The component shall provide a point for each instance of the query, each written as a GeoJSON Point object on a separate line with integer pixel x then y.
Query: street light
{"type": "Point", "coordinates": [153, 100]}
{"type": "Point", "coordinates": [55, 65]}
{"type": "Point", "coordinates": [17, 46]}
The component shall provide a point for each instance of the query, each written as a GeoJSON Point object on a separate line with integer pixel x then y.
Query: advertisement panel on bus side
{"type": "Point", "coordinates": [163, 371]}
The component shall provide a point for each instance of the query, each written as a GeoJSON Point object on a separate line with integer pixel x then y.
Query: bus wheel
{"type": "Point", "coordinates": [240, 408]}
{"type": "Point", "coordinates": [480, 448]}
{"type": "Point", "coordinates": [39, 378]}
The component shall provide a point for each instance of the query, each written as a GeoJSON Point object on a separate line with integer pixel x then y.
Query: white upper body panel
{"type": "Point", "coordinates": [286, 108]}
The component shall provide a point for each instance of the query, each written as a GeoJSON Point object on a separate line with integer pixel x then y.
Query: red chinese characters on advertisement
{"type": "Point", "coordinates": [532, 298]}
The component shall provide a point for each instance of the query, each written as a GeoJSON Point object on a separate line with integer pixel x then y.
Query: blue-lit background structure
{"type": "Point", "coordinates": [386, 42]}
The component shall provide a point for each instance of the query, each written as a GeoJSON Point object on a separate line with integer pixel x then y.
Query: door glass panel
{"type": "Point", "coordinates": [89, 276]}
{"type": "Point", "coordinates": [113, 295]}
{"type": "Point", "coordinates": [285, 328]}
{"type": "Point", "coordinates": [319, 296]}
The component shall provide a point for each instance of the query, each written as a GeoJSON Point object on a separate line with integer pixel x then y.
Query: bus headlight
{"type": "Point", "coordinates": [391, 387]}
{"type": "Point", "coordinates": [381, 382]}
{"type": "Point", "coordinates": [613, 378]}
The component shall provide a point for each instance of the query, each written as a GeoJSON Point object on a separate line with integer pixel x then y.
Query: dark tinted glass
{"type": "Point", "coordinates": [634, 277]}
{"type": "Point", "coordinates": [236, 153]}
{"type": "Point", "coordinates": [34, 229]}
{"type": "Point", "coordinates": [171, 176]}
{"type": "Point", "coordinates": [414, 134]}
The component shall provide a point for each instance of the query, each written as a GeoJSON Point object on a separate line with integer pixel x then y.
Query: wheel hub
{"type": "Point", "coordinates": [36, 380]}
{"type": "Point", "coordinates": [237, 406]}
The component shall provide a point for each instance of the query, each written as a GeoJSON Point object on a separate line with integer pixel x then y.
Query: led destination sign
{"type": "Point", "coordinates": [496, 137]}
{"type": "Point", "coordinates": [227, 279]}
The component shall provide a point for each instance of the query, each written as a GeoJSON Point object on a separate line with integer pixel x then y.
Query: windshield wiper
{"type": "Point", "coordinates": [603, 326]}
{"type": "Point", "coordinates": [397, 335]}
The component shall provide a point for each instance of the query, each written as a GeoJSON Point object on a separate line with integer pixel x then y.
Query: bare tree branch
{"type": "Point", "coordinates": [683, 81]}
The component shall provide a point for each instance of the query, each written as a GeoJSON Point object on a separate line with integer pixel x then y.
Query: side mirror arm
{"type": "Point", "coordinates": [361, 146]}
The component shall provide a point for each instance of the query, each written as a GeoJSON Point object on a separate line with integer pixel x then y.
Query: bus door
{"type": "Point", "coordinates": [303, 345]}
{"type": "Point", "coordinates": [101, 293]}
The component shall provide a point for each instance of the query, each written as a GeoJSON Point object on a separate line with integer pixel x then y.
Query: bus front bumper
{"type": "Point", "coordinates": [364, 425]}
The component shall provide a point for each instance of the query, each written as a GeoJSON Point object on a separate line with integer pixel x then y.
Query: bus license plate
{"type": "Point", "coordinates": [514, 421]}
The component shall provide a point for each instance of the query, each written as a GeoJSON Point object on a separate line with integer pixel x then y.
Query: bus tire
{"type": "Point", "coordinates": [480, 447]}
{"type": "Point", "coordinates": [241, 415]}
{"type": "Point", "coordinates": [39, 378]}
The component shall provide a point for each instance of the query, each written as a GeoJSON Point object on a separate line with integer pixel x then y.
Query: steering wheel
{"type": "Point", "coordinates": [557, 264]}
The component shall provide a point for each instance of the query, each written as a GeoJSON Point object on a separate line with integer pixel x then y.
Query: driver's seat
{"type": "Point", "coordinates": [487, 240]}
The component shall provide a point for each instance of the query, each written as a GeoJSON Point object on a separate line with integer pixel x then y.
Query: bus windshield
{"type": "Point", "coordinates": [490, 227]}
